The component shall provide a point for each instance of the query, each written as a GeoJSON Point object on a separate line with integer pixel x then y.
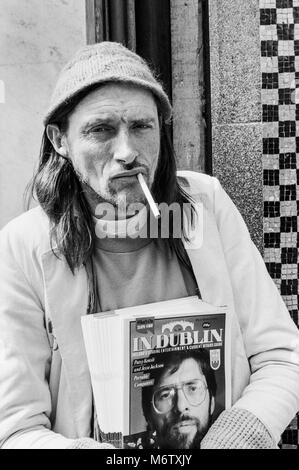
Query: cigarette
{"type": "Point", "coordinates": [148, 196]}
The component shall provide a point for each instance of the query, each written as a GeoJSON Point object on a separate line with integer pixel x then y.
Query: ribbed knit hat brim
{"type": "Point", "coordinates": [102, 63]}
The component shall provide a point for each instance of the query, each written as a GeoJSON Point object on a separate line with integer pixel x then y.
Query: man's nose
{"type": "Point", "coordinates": [122, 149]}
{"type": "Point", "coordinates": [181, 402]}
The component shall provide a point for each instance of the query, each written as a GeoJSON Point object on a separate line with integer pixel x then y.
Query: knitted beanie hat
{"type": "Point", "coordinates": [101, 63]}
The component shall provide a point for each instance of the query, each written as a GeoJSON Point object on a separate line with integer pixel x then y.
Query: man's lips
{"type": "Point", "coordinates": [187, 422]}
{"type": "Point", "coordinates": [184, 424]}
{"type": "Point", "coordinates": [124, 174]}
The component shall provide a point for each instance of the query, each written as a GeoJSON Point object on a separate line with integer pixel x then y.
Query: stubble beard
{"type": "Point", "coordinates": [123, 204]}
{"type": "Point", "coordinates": [170, 438]}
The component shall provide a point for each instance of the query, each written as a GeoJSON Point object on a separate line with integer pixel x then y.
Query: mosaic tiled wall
{"type": "Point", "coordinates": [279, 27]}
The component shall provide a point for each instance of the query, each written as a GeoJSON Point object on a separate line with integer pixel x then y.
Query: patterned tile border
{"type": "Point", "coordinates": [279, 32]}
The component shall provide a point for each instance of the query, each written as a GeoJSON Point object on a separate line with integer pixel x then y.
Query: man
{"type": "Point", "coordinates": [180, 404]}
{"type": "Point", "coordinates": [106, 124]}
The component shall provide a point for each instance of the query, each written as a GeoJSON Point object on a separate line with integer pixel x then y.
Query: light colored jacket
{"type": "Point", "coordinates": [45, 391]}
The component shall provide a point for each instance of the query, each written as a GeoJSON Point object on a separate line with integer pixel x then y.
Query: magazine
{"type": "Point", "coordinates": [160, 372]}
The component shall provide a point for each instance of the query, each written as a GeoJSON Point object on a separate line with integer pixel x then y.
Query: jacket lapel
{"type": "Point", "coordinates": [66, 299]}
{"type": "Point", "coordinates": [207, 258]}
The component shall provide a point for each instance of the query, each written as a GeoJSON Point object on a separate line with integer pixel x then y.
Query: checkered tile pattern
{"type": "Point", "coordinates": [279, 29]}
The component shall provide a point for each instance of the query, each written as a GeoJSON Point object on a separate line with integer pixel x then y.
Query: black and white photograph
{"type": "Point", "coordinates": [149, 216]}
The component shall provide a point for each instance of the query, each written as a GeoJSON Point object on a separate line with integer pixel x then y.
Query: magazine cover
{"type": "Point", "coordinates": [160, 372]}
{"type": "Point", "coordinates": [178, 379]}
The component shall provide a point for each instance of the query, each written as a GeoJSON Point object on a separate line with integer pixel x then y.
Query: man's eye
{"type": "Point", "coordinates": [193, 386]}
{"type": "Point", "coordinates": [99, 129]}
{"type": "Point", "coordinates": [141, 126]}
{"type": "Point", "coordinates": [164, 395]}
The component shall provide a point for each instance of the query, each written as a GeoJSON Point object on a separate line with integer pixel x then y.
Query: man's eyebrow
{"type": "Point", "coordinates": [142, 120]}
{"type": "Point", "coordinates": [98, 120]}
{"type": "Point", "coordinates": [104, 119]}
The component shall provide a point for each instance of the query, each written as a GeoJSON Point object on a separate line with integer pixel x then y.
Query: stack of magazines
{"type": "Point", "coordinates": [160, 372]}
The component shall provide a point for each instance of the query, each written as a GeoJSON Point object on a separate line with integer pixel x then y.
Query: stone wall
{"type": "Point", "coordinates": [187, 84]}
{"type": "Point", "coordinates": [36, 39]}
{"type": "Point", "coordinates": [236, 107]}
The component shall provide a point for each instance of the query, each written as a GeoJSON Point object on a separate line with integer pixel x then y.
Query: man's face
{"type": "Point", "coordinates": [185, 424]}
{"type": "Point", "coordinates": [113, 130]}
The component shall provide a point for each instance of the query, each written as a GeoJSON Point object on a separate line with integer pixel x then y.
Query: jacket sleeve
{"type": "Point", "coordinates": [270, 336]}
{"type": "Point", "coordinates": [25, 355]}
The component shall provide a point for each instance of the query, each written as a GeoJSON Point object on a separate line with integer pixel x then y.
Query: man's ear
{"type": "Point", "coordinates": [57, 139]}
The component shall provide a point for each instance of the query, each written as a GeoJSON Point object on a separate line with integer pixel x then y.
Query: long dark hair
{"type": "Point", "coordinates": [58, 190]}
